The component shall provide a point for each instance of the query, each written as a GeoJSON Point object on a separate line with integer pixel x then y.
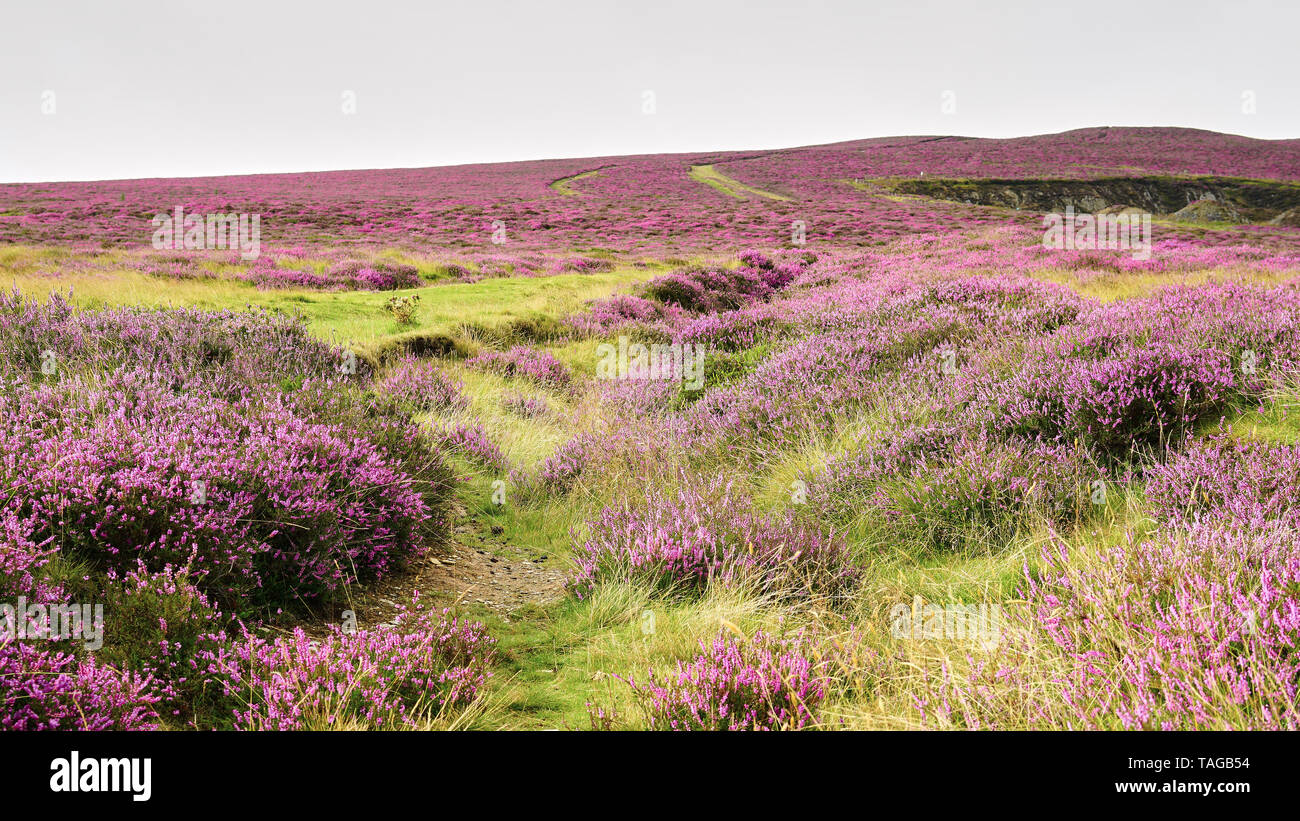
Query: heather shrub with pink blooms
{"type": "Point", "coordinates": [253, 497]}
{"type": "Point", "coordinates": [1222, 477]}
{"type": "Point", "coordinates": [193, 349]}
{"type": "Point", "coordinates": [1134, 398]}
{"type": "Point", "coordinates": [386, 677]}
{"type": "Point", "coordinates": [759, 683]}
{"type": "Point", "coordinates": [159, 624]}
{"type": "Point", "coordinates": [472, 442]}
{"type": "Point", "coordinates": [375, 276]}
{"type": "Point", "coordinates": [44, 688]}
{"type": "Point", "coordinates": [22, 560]}
{"type": "Point", "coordinates": [230, 443]}
{"type": "Point", "coordinates": [682, 541]}
{"type": "Point", "coordinates": [946, 488]}
{"type": "Point", "coordinates": [1192, 629]}
{"type": "Point", "coordinates": [706, 290]}
{"type": "Point", "coordinates": [525, 363]}
{"type": "Point", "coordinates": [625, 312]}
{"type": "Point", "coordinates": [560, 471]}
{"type": "Point", "coordinates": [423, 387]}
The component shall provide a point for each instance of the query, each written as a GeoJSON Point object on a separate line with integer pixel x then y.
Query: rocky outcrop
{"type": "Point", "coordinates": [1208, 211]}
{"type": "Point", "coordinates": [1247, 200]}
{"type": "Point", "coordinates": [1290, 217]}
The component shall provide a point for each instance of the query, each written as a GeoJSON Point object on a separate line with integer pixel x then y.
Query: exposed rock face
{"type": "Point", "coordinates": [1208, 211]}
{"type": "Point", "coordinates": [1120, 209]}
{"type": "Point", "coordinates": [1291, 218]}
{"type": "Point", "coordinates": [1243, 200]}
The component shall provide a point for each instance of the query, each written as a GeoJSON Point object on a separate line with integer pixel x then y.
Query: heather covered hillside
{"type": "Point", "coordinates": [673, 203]}
{"type": "Point", "coordinates": [874, 435]}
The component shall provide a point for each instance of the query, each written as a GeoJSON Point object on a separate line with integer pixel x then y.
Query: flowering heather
{"type": "Point", "coordinates": [946, 486]}
{"type": "Point", "coordinates": [1244, 480]}
{"type": "Point", "coordinates": [1134, 397]}
{"type": "Point", "coordinates": [189, 347]}
{"type": "Point", "coordinates": [527, 407]}
{"type": "Point", "coordinates": [472, 442]}
{"type": "Point", "coordinates": [802, 388]}
{"type": "Point", "coordinates": [733, 330]}
{"type": "Point", "coordinates": [423, 387]}
{"type": "Point", "coordinates": [684, 540]}
{"type": "Point", "coordinates": [643, 204]}
{"type": "Point", "coordinates": [622, 311]}
{"type": "Point", "coordinates": [705, 290]}
{"type": "Point", "coordinates": [755, 259]}
{"type": "Point", "coordinates": [378, 276]}
{"type": "Point", "coordinates": [526, 363]}
{"type": "Point", "coordinates": [966, 386]}
{"type": "Point", "coordinates": [21, 560]}
{"type": "Point", "coordinates": [760, 683]}
{"type": "Point", "coordinates": [42, 688]}
{"type": "Point", "coordinates": [1225, 317]}
{"type": "Point", "coordinates": [160, 623]}
{"type": "Point", "coordinates": [560, 471]}
{"type": "Point", "coordinates": [387, 676]}
{"type": "Point", "coordinates": [110, 468]}
{"type": "Point", "coordinates": [1194, 629]}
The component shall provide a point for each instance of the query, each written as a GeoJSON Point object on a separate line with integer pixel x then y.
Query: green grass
{"type": "Point", "coordinates": [712, 177]}
{"type": "Point", "coordinates": [564, 185]}
{"type": "Point", "coordinates": [349, 317]}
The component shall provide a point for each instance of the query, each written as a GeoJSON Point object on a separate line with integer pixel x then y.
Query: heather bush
{"type": "Point", "coordinates": [684, 540]}
{"type": "Point", "coordinates": [1226, 317]}
{"type": "Point", "coordinates": [383, 421]}
{"type": "Point", "coordinates": [706, 290]}
{"type": "Point", "coordinates": [755, 259]}
{"type": "Point", "coordinates": [803, 388]}
{"type": "Point", "coordinates": [189, 348]}
{"type": "Point", "coordinates": [44, 688]}
{"type": "Point", "coordinates": [1223, 477]}
{"type": "Point", "coordinates": [734, 330]}
{"type": "Point", "coordinates": [1133, 399]}
{"type": "Point", "coordinates": [1193, 629]}
{"type": "Point", "coordinates": [375, 276]}
{"type": "Point", "coordinates": [759, 683]}
{"type": "Point", "coordinates": [623, 311]}
{"type": "Point", "coordinates": [1008, 303]}
{"type": "Point", "coordinates": [523, 362]}
{"type": "Point", "coordinates": [423, 387]}
{"type": "Point", "coordinates": [946, 488]}
{"type": "Point", "coordinates": [261, 503]}
{"type": "Point", "coordinates": [560, 471]}
{"type": "Point", "coordinates": [386, 677]}
{"type": "Point", "coordinates": [22, 560]}
{"type": "Point", "coordinates": [472, 442]}
{"type": "Point", "coordinates": [158, 625]}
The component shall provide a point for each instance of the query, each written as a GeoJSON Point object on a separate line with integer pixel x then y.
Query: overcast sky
{"type": "Point", "coordinates": [97, 90]}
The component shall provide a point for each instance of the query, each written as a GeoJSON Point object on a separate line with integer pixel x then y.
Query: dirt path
{"type": "Point", "coordinates": [476, 567]}
{"type": "Point", "coordinates": [502, 583]}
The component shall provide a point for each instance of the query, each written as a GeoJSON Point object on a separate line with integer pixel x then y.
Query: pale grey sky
{"type": "Point", "coordinates": [95, 90]}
